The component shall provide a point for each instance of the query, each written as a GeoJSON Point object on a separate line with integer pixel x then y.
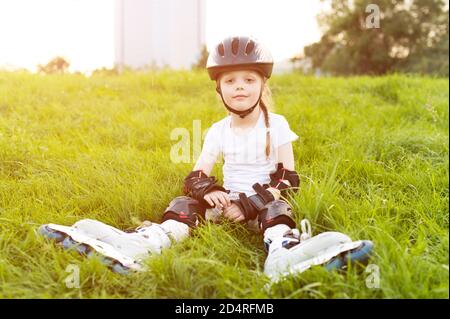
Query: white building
{"type": "Point", "coordinates": [159, 33]}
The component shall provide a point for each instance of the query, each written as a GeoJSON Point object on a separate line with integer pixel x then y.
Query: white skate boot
{"type": "Point", "coordinates": [292, 253]}
{"type": "Point", "coordinates": [121, 251]}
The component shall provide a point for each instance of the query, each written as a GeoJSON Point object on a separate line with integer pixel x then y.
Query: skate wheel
{"type": "Point", "coordinates": [120, 269]}
{"type": "Point", "coordinates": [115, 266]}
{"type": "Point", "coordinates": [83, 249]}
{"type": "Point", "coordinates": [108, 261]}
{"type": "Point", "coordinates": [49, 233]}
{"type": "Point", "coordinates": [335, 263]}
{"type": "Point", "coordinates": [69, 243]}
{"type": "Point", "coordinates": [359, 255]}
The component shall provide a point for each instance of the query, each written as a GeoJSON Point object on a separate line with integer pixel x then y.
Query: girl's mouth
{"type": "Point", "coordinates": [240, 97]}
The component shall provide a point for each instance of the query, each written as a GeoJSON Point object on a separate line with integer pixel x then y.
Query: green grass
{"type": "Point", "coordinates": [372, 155]}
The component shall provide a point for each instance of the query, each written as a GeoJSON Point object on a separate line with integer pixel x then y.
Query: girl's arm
{"type": "Point", "coordinates": [206, 167]}
{"type": "Point", "coordinates": [286, 156]}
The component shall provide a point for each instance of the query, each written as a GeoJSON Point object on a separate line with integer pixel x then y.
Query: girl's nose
{"type": "Point", "coordinates": [240, 84]}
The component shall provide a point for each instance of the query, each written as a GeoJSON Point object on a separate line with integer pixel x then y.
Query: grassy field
{"type": "Point", "coordinates": [372, 155]}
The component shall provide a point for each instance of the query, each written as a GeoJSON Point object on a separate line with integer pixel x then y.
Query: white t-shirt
{"type": "Point", "coordinates": [244, 154]}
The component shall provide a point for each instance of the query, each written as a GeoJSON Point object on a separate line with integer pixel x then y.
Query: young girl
{"type": "Point", "coordinates": [258, 171]}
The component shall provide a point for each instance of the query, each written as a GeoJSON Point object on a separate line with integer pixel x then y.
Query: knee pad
{"type": "Point", "coordinates": [274, 213]}
{"type": "Point", "coordinates": [184, 209]}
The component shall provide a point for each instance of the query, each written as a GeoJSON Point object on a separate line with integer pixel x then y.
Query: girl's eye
{"type": "Point", "coordinates": [229, 81]}
{"type": "Point", "coordinates": [250, 80]}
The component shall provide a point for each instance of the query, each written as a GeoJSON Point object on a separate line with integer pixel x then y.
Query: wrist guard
{"type": "Point", "coordinates": [284, 180]}
{"type": "Point", "coordinates": [251, 206]}
{"type": "Point", "coordinates": [197, 184]}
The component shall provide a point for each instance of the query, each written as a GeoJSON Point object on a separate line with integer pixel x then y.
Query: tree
{"type": "Point", "coordinates": [105, 71]}
{"type": "Point", "coordinates": [430, 59]}
{"type": "Point", "coordinates": [201, 63]}
{"type": "Point", "coordinates": [57, 65]}
{"type": "Point", "coordinates": [407, 32]}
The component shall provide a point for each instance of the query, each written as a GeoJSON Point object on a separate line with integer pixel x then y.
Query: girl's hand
{"type": "Point", "coordinates": [218, 198]}
{"type": "Point", "coordinates": [234, 213]}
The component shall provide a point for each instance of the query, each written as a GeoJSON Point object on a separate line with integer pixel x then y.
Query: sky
{"type": "Point", "coordinates": [284, 26]}
{"type": "Point", "coordinates": [34, 31]}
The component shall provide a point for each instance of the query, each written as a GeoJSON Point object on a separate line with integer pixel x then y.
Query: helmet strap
{"type": "Point", "coordinates": [243, 113]}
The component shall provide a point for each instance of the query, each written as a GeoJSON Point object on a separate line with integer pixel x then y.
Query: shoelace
{"type": "Point", "coordinates": [305, 234]}
{"type": "Point", "coordinates": [306, 230]}
{"type": "Point", "coordinates": [293, 236]}
{"type": "Point", "coordinates": [144, 225]}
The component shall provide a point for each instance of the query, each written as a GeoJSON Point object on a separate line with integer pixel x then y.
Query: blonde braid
{"type": "Point", "coordinates": [265, 104]}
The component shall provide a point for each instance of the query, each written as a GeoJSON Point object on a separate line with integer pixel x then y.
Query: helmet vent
{"type": "Point", "coordinates": [235, 46]}
{"type": "Point", "coordinates": [249, 47]}
{"type": "Point", "coordinates": [221, 50]}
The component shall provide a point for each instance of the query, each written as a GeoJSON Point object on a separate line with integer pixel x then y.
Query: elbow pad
{"type": "Point", "coordinates": [284, 180]}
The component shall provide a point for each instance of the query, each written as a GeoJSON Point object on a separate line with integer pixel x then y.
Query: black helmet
{"type": "Point", "coordinates": [238, 53]}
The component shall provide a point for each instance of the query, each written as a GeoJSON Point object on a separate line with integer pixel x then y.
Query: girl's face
{"type": "Point", "coordinates": [241, 89]}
